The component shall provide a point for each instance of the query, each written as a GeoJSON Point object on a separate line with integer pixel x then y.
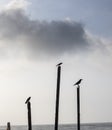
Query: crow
{"type": "Point", "coordinates": [27, 100]}
{"type": "Point", "coordinates": [59, 64]}
{"type": "Point", "coordinates": [78, 82]}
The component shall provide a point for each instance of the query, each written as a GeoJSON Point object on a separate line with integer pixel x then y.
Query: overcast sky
{"type": "Point", "coordinates": [35, 35]}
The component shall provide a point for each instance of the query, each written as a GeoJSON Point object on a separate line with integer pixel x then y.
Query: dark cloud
{"type": "Point", "coordinates": [41, 37]}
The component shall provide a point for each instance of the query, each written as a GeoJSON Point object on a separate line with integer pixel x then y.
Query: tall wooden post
{"type": "Point", "coordinates": [29, 116]}
{"type": "Point", "coordinates": [29, 113]}
{"type": "Point", "coordinates": [78, 107]}
{"type": "Point", "coordinates": [78, 103]}
{"type": "Point", "coordinates": [57, 96]}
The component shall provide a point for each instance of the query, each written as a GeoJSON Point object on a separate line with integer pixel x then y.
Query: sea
{"type": "Point", "coordinates": [93, 126]}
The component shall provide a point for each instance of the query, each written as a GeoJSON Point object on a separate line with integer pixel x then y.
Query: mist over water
{"type": "Point", "coordinates": [93, 126]}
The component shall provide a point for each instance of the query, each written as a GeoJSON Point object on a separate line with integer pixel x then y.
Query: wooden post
{"type": "Point", "coordinates": [78, 107]}
{"type": "Point", "coordinates": [57, 97]}
{"type": "Point", "coordinates": [29, 116]}
{"type": "Point", "coordinates": [8, 126]}
{"type": "Point", "coordinates": [78, 103]}
{"type": "Point", "coordinates": [29, 113]}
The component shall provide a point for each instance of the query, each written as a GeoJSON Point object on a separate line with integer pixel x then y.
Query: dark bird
{"type": "Point", "coordinates": [78, 82]}
{"type": "Point", "coordinates": [27, 100]}
{"type": "Point", "coordinates": [59, 64]}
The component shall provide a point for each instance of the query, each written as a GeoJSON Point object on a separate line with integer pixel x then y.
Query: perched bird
{"type": "Point", "coordinates": [59, 64]}
{"type": "Point", "coordinates": [78, 82]}
{"type": "Point", "coordinates": [27, 100]}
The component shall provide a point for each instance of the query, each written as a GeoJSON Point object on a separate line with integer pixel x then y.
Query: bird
{"type": "Point", "coordinates": [78, 82]}
{"type": "Point", "coordinates": [59, 64]}
{"type": "Point", "coordinates": [27, 100]}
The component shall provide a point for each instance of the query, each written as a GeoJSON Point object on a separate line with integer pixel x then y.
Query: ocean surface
{"type": "Point", "coordinates": [94, 126]}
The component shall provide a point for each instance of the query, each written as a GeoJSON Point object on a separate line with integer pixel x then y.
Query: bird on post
{"type": "Point", "coordinates": [59, 64]}
{"type": "Point", "coordinates": [78, 82]}
{"type": "Point", "coordinates": [27, 100]}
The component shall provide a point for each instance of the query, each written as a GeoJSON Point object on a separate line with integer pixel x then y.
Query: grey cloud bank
{"type": "Point", "coordinates": [40, 38]}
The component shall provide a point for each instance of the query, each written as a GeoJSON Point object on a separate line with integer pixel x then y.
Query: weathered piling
{"type": "Point", "coordinates": [78, 107]}
{"type": "Point", "coordinates": [57, 96]}
{"type": "Point", "coordinates": [29, 113]}
{"type": "Point", "coordinates": [8, 126]}
{"type": "Point", "coordinates": [78, 103]}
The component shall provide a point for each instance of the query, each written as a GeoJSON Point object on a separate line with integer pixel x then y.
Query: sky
{"type": "Point", "coordinates": [35, 35]}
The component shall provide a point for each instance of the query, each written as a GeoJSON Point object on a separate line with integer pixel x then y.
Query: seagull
{"type": "Point", "coordinates": [78, 82]}
{"type": "Point", "coordinates": [59, 64]}
{"type": "Point", "coordinates": [27, 100]}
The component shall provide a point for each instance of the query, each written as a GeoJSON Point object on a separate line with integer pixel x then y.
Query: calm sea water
{"type": "Point", "coordinates": [98, 126]}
